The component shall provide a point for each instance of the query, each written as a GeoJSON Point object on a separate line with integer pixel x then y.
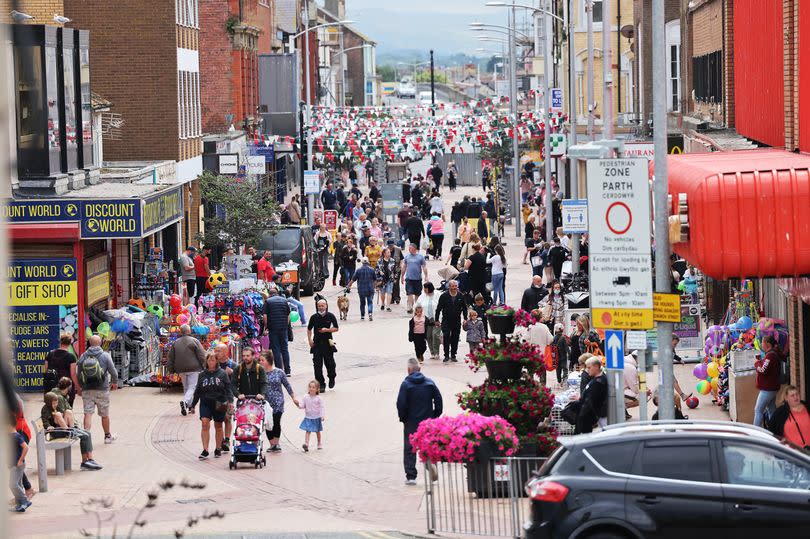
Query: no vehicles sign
{"type": "Point", "coordinates": [620, 260]}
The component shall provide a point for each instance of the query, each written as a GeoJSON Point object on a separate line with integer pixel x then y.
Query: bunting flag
{"type": "Point", "coordinates": [344, 134]}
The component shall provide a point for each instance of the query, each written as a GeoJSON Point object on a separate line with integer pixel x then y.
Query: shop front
{"type": "Point", "coordinates": [66, 266]}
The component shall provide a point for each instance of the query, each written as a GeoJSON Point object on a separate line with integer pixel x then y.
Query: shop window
{"type": "Point", "coordinates": [707, 78]}
{"type": "Point", "coordinates": [28, 64]}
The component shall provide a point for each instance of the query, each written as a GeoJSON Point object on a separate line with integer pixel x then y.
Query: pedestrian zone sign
{"type": "Point", "coordinates": [575, 216]}
{"type": "Point", "coordinates": [556, 100]}
{"type": "Point", "coordinates": [614, 349]}
{"type": "Point", "coordinates": [312, 182]}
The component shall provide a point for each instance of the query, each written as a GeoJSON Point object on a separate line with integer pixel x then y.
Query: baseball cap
{"type": "Point", "coordinates": [634, 353]}
{"type": "Point", "coordinates": [364, 260]}
{"type": "Point", "coordinates": [191, 248]}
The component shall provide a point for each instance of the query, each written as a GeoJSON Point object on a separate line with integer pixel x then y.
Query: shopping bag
{"type": "Point", "coordinates": [264, 342]}
{"type": "Point", "coordinates": [548, 358]}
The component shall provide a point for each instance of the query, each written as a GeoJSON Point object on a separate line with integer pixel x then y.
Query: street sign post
{"type": "Point", "coordinates": [620, 259]}
{"type": "Point", "coordinates": [614, 349]}
{"type": "Point", "coordinates": [312, 182]}
{"type": "Point", "coordinates": [614, 355]}
{"type": "Point", "coordinates": [575, 216]}
{"type": "Point", "coordinates": [556, 100]}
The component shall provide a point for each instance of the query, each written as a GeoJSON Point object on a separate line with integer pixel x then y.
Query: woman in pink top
{"type": "Point", "coordinates": [437, 235]}
{"type": "Point", "coordinates": [313, 414]}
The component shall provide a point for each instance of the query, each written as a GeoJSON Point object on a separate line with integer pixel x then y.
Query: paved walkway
{"type": "Point", "coordinates": [356, 484]}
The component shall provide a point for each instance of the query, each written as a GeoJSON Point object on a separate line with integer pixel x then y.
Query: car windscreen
{"type": "Point", "coordinates": [286, 239]}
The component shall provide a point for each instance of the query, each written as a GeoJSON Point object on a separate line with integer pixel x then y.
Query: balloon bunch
{"type": "Point", "coordinates": [708, 374]}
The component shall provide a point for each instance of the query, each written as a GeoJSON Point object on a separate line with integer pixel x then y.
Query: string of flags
{"type": "Point", "coordinates": [339, 134]}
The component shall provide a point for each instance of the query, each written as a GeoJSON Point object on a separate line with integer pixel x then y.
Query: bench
{"type": "Point", "coordinates": [61, 445]}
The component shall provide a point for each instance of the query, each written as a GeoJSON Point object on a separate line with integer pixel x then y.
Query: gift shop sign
{"type": "Point", "coordinates": [620, 254]}
{"type": "Point", "coordinates": [41, 296]}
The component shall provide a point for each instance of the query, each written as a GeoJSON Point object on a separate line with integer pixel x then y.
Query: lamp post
{"type": "Point", "coordinates": [308, 94]}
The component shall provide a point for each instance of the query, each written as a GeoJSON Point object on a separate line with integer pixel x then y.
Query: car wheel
{"type": "Point", "coordinates": [307, 289]}
{"type": "Point", "coordinates": [607, 534]}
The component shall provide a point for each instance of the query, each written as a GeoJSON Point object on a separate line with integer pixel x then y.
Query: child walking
{"type": "Point", "coordinates": [474, 328]}
{"type": "Point", "coordinates": [20, 449]}
{"type": "Point", "coordinates": [313, 414]}
{"type": "Point", "coordinates": [417, 332]}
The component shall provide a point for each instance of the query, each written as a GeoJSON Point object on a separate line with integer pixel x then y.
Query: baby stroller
{"type": "Point", "coordinates": [248, 426]}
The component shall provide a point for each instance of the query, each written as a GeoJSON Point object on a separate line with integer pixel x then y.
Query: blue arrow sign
{"type": "Point", "coordinates": [614, 348]}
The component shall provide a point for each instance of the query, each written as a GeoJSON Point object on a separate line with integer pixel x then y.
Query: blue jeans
{"type": "Point", "coordinates": [366, 300]}
{"type": "Point", "coordinates": [347, 274]}
{"type": "Point", "coordinates": [280, 348]}
{"type": "Point", "coordinates": [298, 306]}
{"type": "Point", "coordinates": [498, 293]}
{"type": "Point", "coordinates": [766, 401]}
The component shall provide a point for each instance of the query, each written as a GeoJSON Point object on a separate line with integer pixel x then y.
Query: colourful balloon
{"type": "Point", "coordinates": [703, 387]}
{"type": "Point", "coordinates": [104, 329]}
{"type": "Point", "coordinates": [714, 384]}
{"type": "Point", "coordinates": [700, 371]}
{"type": "Point", "coordinates": [88, 332]}
{"type": "Point", "coordinates": [712, 370]}
{"type": "Point", "coordinates": [744, 323]}
{"type": "Point", "coordinates": [182, 319]}
{"type": "Point", "coordinates": [294, 317]}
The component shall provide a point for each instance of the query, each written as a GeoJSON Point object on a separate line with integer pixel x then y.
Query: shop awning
{"type": "Point", "coordinates": [748, 212]}
{"type": "Point", "coordinates": [44, 233]}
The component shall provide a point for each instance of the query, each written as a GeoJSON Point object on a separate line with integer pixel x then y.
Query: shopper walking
{"type": "Point", "coordinates": [449, 312]}
{"type": "Point", "coordinates": [475, 329]}
{"type": "Point", "coordinates": [314, 409]}
{"type": "Point", "coordinates": [276, 381]}
{"type": "Point", "coordinates": [593, 402]}
{"type": "Point", "coordinates": [418, 399]}
{"type": "Point", "coordinates": [437, 234]}
{"type": "Point", "coordinates": [276, 326]}
{"type": "Point", "coordinates": [63, 363]}
{"type": "Point", "coordinates": [498, 261]}
{"type": "Point", "coordinates": [202, 270]}
{"type": "Point", "coordinates": [320, 333]}
{"type": "Point", "coordinates": [414, 267]}
{"type": "Point", "coordinates": [248, 377]}
{"type": "Point", "coordinates": [560, 343]}
{"type": "Point", "coordinates": [97, 377]}
{"type": "Point", "coordinates": [187, 359]}
{"type": "Point", "coordinates": [188, 275]}
{"type": "Point", "coordinates": [417, 332]}
{"type": "Point", "coordinates": [365, 279]}
{"type": "Point", "coordinates": [338, 245]}
{"type": "Point", "coordinates": [429, 300]}
{"type": "Point", "coordinates": [386, 276]}
{"type": "Point", "coordinates": [213, 393]}
{"type": "Point", "coordinates": [791, 421]}
{"type": "Point", "coordinates": [767, 381]}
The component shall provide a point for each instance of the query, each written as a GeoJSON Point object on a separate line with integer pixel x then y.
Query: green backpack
{"type": "Point", "coordinates": [91, 374]}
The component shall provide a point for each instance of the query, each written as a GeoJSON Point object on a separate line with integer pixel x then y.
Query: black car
{"type": "Point", "coordinates": [295, 242]}
{"type": "Point", "coordinates": [674, 479]}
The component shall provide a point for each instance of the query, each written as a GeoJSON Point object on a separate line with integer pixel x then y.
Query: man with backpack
{"type": "Point", "coordinates": [248, 378]}
{"type": "Point", "coordinates": [187, 358]}
{"type": "Point", "coordinates": [94, 368]}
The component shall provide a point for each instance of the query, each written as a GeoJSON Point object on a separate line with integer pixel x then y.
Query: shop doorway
{"type": "Point", "coordinates": [169, 241]}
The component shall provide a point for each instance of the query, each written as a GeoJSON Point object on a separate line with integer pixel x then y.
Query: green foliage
{"type": "Point", "coordinates": [387, 73]}
{"type": "Point", "coordinates": [247, 213]}
{"type": "Point", "coordinates": [424, 76]}
{"type": "Point", "coordinates": [500, 154]}
{"type": "Point", "coordinates": [231, 24]}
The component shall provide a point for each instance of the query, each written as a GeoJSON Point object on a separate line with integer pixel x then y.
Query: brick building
{"type": "Point", "coordinates": [145, 60]}
{"type": "Point", "coordinates": [232, 35]}
{"type": "Point", "coordinates": [361, 69]}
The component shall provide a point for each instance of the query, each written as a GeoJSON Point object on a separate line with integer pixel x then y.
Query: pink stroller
{"type": "Point", "coordinates": [248, 426]}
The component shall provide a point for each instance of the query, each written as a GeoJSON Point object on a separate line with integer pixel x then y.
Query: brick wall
{"type": "Point", "coordinates": [355, 69]}
{"type": "Point", "coordinates": [216, 70]}
{"type": "Point", "coordinates": [707, 22]}
{"type": "Point", "coordinates": [728, 63]}
{"type": "Point", "coordinates": [790, 21]}
{"type": "Point", "coordinates": [642, 16]}
{"type": "Point", "coordinates": [133, 54]}
{"type": "Point", "coordinates": [42, 10]}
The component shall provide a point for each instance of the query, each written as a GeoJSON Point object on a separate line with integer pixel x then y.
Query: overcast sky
{"type": "Point", "coordinates": [423, 24]}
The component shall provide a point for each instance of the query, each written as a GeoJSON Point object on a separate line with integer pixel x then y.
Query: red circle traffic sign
{"type": "Point", "coordinates": [617, 214]}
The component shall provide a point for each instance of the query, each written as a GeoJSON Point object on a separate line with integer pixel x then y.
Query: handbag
{"type": "Point", "coordinates": [545, 312]}
{"type": "Point", "coordinates": [537, 261]}
{"type": "Point", "coordinates": [549, 357]}
{"type": "Point", "coordinates": [289, 332]}
{"type": "Point", "coordinates": [571, 411]}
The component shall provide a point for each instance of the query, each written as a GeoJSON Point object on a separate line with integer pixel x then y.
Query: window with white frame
{"type": "Point", "coordinates": [597, 14]}
{"type": "Point", "coordinates": [673, 36]}
{"type": "Point", "coordinates": [187, 13]}
{"type": "Point", "coordinates": [188, 101]}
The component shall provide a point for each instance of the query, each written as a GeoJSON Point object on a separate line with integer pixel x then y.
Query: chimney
{"type": "Point", "coordinates": [336, 8]}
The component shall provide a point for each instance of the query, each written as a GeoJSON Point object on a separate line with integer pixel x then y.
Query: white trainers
{"type": "Point", "coordinates": [109, 437]}
{"type": "Point", "coordinates": [410, 482]}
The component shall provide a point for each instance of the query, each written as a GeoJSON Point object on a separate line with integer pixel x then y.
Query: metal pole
{"type": "Point", "coordinates": [308, 116]}
{"type": "Point", "coordinates": [611, 403]}
{"type": "Point", "coordinates": [591, 93]}
{"type": "Point", "coordinates": [537, 46]}
{"type": "Point", "coordinates": [607, 74]}
{"type": "Point", "coordinates": [547, 68]}
{"type": "Point", "coordinates": [513, 101]}
{"type": "Point", "coordinates": [342, 71]}
{"type": "Point", "coordinates": [666, 401]}
{"type": "Point", "coordinates": [572, 139]}
{"type": "Point", "coordinates": [642, 385]}
{"type": "Point", "coordinates": [432, 85]}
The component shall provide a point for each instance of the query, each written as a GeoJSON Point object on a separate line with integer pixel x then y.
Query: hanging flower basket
{"type": "Point", "coordinates": [501, 320]}
{"type": "Point", "coordinates": [503, 370]}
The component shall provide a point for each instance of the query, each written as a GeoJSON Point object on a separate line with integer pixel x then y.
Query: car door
{"type": "Point", "coordinates": [674, 490]}
{"type": "Point", "coordinates": [766, 489]}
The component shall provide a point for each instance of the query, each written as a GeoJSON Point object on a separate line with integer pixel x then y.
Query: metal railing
{"type": "Point", "coordinates": [480, 498]}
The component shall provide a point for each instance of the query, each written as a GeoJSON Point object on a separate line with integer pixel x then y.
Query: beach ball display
{"type": "Point", "coordinates": [744, 323]}
{"type": "Point", "coordinates": [216, 279]}
{"type": "Point", "coordinates": [703, 387]}
{"type": "Point", "coordinates": [182, 319]}
{"type": "Point", "coordinates": [155, 309]}
{"type": "Point", "coordinates": [692, 402]}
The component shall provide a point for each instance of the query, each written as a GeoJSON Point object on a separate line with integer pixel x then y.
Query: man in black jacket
{"type": "Point", "coordinates": [556, 257]}
{"type": "Point", "coordinates": [418, 399]}
{"type": "Point", "coordinates": [593, 403]}
{"type": "Point", "coordinates": [415, 229]}
{"type": "Point", "coordinates": [449, 311]}
{"type": "Point", "coordinates": [248, 377]}
{"type": "Point", "coordinates": [533, 295]}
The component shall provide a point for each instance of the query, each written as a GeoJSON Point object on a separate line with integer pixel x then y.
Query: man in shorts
{"type": "Point", "coordinates": [414, 266]}
{"type": "Point", "coordinates": [97, 377]}
{"type": "Point", "coordinates": [221, 351]}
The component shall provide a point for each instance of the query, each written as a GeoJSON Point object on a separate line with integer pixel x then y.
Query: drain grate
{"type": "Point", "coordinates": [169, 440]}
{"type": "Point", "coordinates": [195, 500]}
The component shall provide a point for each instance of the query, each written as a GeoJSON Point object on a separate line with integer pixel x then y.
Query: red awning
{"type": "Point", "coordinates": [43, 233]}
{"type": "Point", "coordinates": [749, 212]}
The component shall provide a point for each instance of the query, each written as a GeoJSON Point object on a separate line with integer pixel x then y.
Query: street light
{"type": "Point", "coordinates": [414, 65]}
{"type": "Point", "coordinates": [526, 6]}
{"type": "Point", "coordinates": [484, 27]}
{"type": "Point", "coordinates": [307, 96]}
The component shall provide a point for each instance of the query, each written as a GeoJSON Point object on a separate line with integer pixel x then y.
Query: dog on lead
{"type": "Point", "coordinates": [343, 304]}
